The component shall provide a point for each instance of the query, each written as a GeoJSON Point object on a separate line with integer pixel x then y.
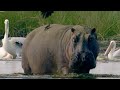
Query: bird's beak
{"type": "Point", "coordinates": [108, 49]}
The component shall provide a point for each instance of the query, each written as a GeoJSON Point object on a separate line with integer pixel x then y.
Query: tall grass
{"type": "Point", "coordinates": [107, 23]}
{"type": "Point", "coordinates": [21, 22]}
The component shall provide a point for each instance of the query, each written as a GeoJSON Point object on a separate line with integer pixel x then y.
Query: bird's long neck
{"type": "Point", "coordinates": [6, 30]}
{"type": "Point", "coordinates": [113, 48]}
{"type": "Point", "coordinates": [110, 55]}
{"type": "Point", "coordinates": [6, 33]}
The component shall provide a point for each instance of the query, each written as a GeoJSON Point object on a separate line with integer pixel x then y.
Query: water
{"type": "Point", "coordinates": [12, 69]}
{"type": "Point", "coordinates": [107, 67]}
{"type": "Point", "coordinates": [10, 66]}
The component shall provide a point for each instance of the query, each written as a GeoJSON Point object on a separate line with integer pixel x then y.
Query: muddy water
{"type": "Point", "coordinates": [12, 69]}
{"type": "Point", "coordinates": [102, 67]}
{"type": "Point", "coordinates": [107, 67]}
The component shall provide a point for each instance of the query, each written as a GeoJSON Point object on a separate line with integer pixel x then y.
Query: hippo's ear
{"type": "Point", "coordinates": [72, 30]}
{"type": "Point", "coordinates": [93, 31]}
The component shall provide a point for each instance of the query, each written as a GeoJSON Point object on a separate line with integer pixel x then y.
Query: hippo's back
{"type": "Point", "coordinates": [43, 47]}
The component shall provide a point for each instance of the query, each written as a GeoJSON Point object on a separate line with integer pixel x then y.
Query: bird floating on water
{"type": "Point", "coordinates": [111, 51]}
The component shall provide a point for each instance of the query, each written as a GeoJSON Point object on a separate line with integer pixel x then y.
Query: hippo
{"type": "Point", "coordinates": [57, 48]}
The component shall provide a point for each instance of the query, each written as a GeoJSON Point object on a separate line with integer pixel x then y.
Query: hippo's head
{"type": "Point", "coordinates": [84, 50]}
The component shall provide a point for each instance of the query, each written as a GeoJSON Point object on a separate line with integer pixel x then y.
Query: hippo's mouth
{"type": "Point", "coordinates": [82, 63]}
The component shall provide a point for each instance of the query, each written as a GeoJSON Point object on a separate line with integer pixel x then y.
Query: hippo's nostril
{"type": "Point", "coordinates": [83, 54]}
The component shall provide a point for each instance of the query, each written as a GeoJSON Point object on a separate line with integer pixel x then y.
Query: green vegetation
{"type": "Point", "coordinates": [74, 76]}
{"type": "Point", "coordinates": [107, 23]}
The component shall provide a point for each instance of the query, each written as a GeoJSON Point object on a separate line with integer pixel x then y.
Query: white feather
{"type": "Point", "coordinates": [9, 43]}
{"type": "Point", "coordinates": [111, 51]}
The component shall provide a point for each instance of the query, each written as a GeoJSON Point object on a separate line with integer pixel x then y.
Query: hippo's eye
{"type": "Point", "coordinates": [76, 39]}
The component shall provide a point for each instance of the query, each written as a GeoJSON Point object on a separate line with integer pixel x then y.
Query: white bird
{"type": "Point", "coordinates": [13, 45]}
{"type": "Point", "coordinates": [111, 51]}
{"type": "Point", "coordinates": [4, 54]}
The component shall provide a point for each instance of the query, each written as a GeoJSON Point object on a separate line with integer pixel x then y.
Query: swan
{"type": "Point", "coordinates": [13, 45]}
{"type": "Point", "coordinates": [111, 51]}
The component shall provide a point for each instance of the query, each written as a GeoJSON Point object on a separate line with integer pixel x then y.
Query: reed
{"type": "Point", "coordinates": [107, 23]}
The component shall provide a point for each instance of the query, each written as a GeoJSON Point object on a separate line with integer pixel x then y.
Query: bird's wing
{"type": "Point", "coordinates": [116, 53]}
